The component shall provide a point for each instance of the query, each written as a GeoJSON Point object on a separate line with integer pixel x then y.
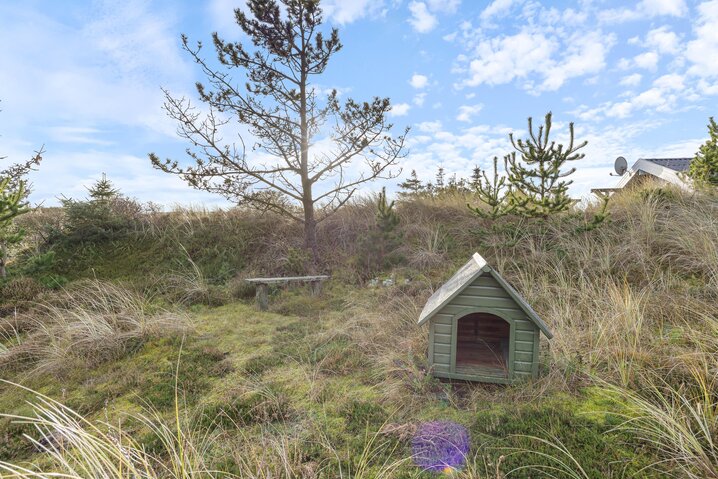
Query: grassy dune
{"type": "Point", "coordinates": [154, 340]}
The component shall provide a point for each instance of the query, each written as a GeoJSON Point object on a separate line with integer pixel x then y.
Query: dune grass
{"type": "Point", "coordinates": [332, 386]}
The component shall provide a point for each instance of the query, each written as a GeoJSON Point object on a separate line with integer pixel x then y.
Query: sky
{"type": "Point", "coordinates": [638, 79]}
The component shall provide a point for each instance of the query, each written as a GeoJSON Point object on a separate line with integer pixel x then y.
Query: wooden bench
{"type": "Point", "coordinates": [315, 286]}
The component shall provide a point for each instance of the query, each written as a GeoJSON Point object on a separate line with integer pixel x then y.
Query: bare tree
{"type": "Point", "coordinates": [286, 113]}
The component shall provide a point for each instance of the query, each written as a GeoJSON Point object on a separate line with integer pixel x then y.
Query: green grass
{"type": "Point", "coordinates": [332, 386]}
{"type": "Point", "coordinates": [244, 371]}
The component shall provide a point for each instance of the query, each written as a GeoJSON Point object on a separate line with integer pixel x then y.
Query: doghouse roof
{"type": "Point", "coordinates": [463, 278]}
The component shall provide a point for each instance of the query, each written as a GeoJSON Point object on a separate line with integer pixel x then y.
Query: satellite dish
{"type": "Point", "coordinates": [621, 165]}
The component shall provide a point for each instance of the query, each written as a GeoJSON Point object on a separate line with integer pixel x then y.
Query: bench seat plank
{"type": "Point", "coordinates": [287, 279]}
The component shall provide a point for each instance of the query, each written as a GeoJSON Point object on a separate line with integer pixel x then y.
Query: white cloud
{"type": "Point", "coordinates": [443, 6]}
{"type": "Point", "coordinates": [419, 81]}
{"type": "Point", "coordinates": [110, 70]}
{"type": "Point", "coordinates": [419, 99]}
{"type": "Point", "coordinates": [424, 13]}
{"type": "Point", "coordinates": [497, 8]}
{"type": "Point", "coordinates": [663, 40]}
{"type": "Point", "coordinates": [503, 59]}
{"type": "Point", "coordinates": [77, 134]}
{"type": "Point", "coordinates": [664, 96]}
{"type": "Point", "coordinates": [347, 11]}
{"type": "Point", "coordinates": [631, 80]}
{"type": "Point", "coordinates": [585, 54]}
{"type": "Point", "coordinates": [702, 51]}
{"type": "Point", "coordinates": [400, 109]}
{"type": "Point", "coordinates": [429, 126]}
{"type": "Point", "coordinates": [421, 19]}
{"type": "Point", "coordinates": [645, 9]}
{"type": "Point", "coordinates": [671, 81]}
{"type": "Point", "coordinates": [467, 112]}
{"type": "Point", "coordinates": [537, 56]}
{"type": "Point", "coordinates": [707, 88]}
{"type": "Point", "coordinates": [675, 8]}
{"type": "Point", "coordinates": [646, 60]}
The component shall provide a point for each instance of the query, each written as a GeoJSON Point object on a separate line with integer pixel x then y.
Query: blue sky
{"type": "Point", "coordinates": [638, 79]}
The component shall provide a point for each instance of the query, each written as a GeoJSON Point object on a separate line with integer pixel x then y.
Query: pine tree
{"type": "Point", "coordinates": [14, 192]}
{"type": "Point", "coordinates": [377, 249]}
{"type": "Point", "coordinates": [99, 217]}
{"type": "Point", "coordinates": [704, 167]}
{"type": "Point", "coordinates": [267, 81]}
{"type": "Point", "coordinates": [440, 175]}
{"type": "Point", "coordinates": [103, 191]}
{"type": "Point", "coordinates": [537, 177]}
{"type": "Point", "coordinates": [492, 192]}
{"type": "Point", "coordinates": [476, 178]}
{"type": "Point", "coordinates": [12, 205]}
{"type": "Point", "coordinates": [386, 217]}
{"type": "Point", "coordinates": [411, 187]}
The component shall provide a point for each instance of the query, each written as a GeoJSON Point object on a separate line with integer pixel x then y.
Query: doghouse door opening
{"type": "Point", "coordinates": [482, 345]}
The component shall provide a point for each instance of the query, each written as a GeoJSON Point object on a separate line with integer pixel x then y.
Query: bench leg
{"type": "Point", "coordinates": [263, 297]}
{"type": "Point", "coordinates": [315, 287]}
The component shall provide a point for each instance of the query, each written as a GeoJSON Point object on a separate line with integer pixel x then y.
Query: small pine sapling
{"type": "Point", "coordinates": [102, 192]}
{"type": "Point", "coordinates": [599, 217]}
{"type": "Point", "coordinates": [704, 167]}
{"type": "Point", "coordinates": [440, 177]}
{"type": "Point", "coordinates": [378, 248]}
{"type": "Point", "coordinates": [411, 187]}
{"type": "Point", "coordinates": [491, 192]}
{"type": "Point", "coordinates": [12, 205]}
{"type": "Point", "coordinates": [386, 217]}
{"type": "Point", "coordinates": [537, 176]}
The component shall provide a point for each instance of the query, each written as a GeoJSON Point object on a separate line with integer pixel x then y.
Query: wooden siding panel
{"type": "Point", "coordinates": [537, 342]}
{"type": "Point", "coordinates": [442, 329]}
{"type": "Point", "coordinates": [431, 343]}
{"type": "Point", "coordinates": [525, 356]}
{"type": "Point", "coordinates": [442, 338]}
{"type": "Point", "coordinates": [486, 291]}
{"type": "Point", "coordinates": [442, 319]}
{"type": "Point", "coordinates": [485, 302]}
{"type": "Point", "coordinates": [523, 366]}
{"type": "Point", "coordinates": [442, 348]}
{"type": "Point", "coordinates": [525, 325]}
{"type": "Point", "coordinates": [442, 359]}
{"type": "Point", "coordinates": [486, 280]}
{"type": "Point", "coordinates": [527, 346]}
{"type": "Point", "coordinates": [511, 313]}
{"type": "Point", "coordinates": [525, 336]}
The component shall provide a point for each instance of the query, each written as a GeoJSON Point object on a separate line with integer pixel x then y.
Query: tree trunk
{"type": "Point", "coordinates": [310, 224]}
{"type": "Point", "coordinates": [3, 272]}
{"type": "Point", "coordinates": [310, 231]}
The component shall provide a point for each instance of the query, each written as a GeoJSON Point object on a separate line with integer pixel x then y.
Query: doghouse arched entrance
{"type": "Point", "coordinates": [483, 343]}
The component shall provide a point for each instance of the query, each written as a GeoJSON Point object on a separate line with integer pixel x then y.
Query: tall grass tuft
{"type": "Point", "coordinates": [86, 324]}
{"type": "Point", "coordinates": [74, 447]}
{"type": "Point", "coordinates": [679, 421]}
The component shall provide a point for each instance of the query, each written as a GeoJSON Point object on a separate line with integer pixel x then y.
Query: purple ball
{"type": "Point", "coordinates": [439, 445]}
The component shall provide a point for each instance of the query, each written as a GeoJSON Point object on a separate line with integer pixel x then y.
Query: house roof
{"type": "Point", "coordinates": [466, 275]}
{"type": "Point", "coordinates": [662, 168]}
{"type": "Point", "coordinates": [675, 164]}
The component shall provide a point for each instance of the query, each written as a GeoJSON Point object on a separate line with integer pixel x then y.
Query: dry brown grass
{"type": "Point", "coordinates": [629, 301]}
{"type": "Point", "coordinates": [635, 294]}
{"type": "Point", "coordinates": [88, 323]}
